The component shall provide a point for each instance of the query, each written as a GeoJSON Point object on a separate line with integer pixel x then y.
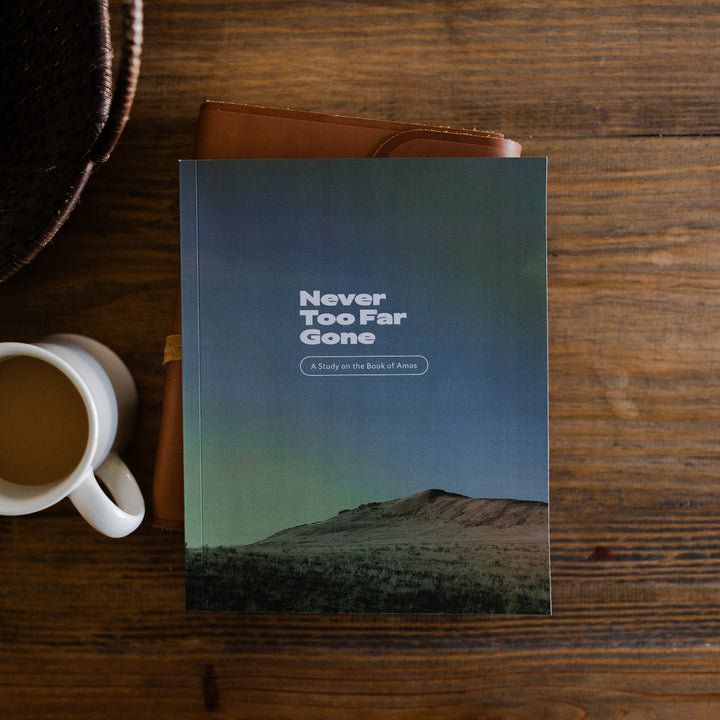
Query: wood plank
{"type": "Point", "coordinates": [624, 685]}
{"type": "Point", "coordinates": [525, 68]}
{"type": "Point", "coordinates": [67, 589]}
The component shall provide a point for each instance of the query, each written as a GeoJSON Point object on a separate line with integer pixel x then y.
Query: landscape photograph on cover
{"type": "Point", "coordinates": [365, 385]}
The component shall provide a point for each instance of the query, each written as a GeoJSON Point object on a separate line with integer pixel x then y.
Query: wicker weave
{"type": "Point", "coordinates": [60, 116]}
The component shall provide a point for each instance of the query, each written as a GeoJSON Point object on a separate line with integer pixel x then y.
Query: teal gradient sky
{"type": "Point", "coordinates": [457, 244]}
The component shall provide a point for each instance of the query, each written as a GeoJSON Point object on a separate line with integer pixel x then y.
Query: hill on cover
{"type": "Point", "coordinates": [433, 552]}
{"type": "Point", "coordinates": [432, 514]}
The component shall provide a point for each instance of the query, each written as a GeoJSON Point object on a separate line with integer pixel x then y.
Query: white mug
{"type": "Point", "coordinates": [68, 405]}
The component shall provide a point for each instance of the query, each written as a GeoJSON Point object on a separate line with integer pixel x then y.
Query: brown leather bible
{"type": "Point", "coordinates": [228, 131]}
{"type": "Point", "coordinates": [234, 131]}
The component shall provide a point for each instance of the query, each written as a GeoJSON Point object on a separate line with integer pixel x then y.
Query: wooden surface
{"type": "Point", "coordinates": [624, 99]}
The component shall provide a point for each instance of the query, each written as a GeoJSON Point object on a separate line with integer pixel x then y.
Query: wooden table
{"type": "Point", "coordinates": [624, 99]}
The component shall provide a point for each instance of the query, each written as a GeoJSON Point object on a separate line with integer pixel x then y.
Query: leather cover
{"type": "Point", "coordinates": [168, 497]}
{"type": "Point", "coordinates": [233, 131]}
{"type": "Point", "coordinates": [228, 131]}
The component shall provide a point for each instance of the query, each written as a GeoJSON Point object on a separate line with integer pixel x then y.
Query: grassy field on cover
{"type": "Point", "coordinates": [405, 578]}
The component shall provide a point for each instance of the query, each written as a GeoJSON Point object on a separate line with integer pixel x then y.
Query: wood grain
{"type": "Point", "coordinates": [623, 100]}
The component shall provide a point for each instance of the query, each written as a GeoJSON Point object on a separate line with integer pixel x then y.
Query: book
{"type": "Point", "coordinates": [365, 385]}
{"type": "Point", "coordinates": [233, 130]}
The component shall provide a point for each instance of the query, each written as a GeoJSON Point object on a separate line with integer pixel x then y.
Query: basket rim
{"type": "Point", "coordinates": [114, 112]}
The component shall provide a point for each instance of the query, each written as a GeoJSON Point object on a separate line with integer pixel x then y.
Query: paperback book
{"type": "Point", "coordinates": [365, 412]}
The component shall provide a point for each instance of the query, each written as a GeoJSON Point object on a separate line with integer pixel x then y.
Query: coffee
{"type": "Point", "coordinates": [43, 422]}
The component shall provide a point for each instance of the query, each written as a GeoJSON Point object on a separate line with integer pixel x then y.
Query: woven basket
{"type": "Point", "coordinates": [60, 116]}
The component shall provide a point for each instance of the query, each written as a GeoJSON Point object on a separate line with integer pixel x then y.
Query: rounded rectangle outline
{"type": "Point", "coordinates": [361, 374]}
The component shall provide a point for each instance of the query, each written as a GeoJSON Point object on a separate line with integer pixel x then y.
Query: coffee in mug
{"type": "Point", "coordinates": [43, 422]}
{"type": "Point", "coordinates": [67, 406]}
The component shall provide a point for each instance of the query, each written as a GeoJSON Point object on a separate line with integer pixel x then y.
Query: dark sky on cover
{"type": "Point", "coordinates": [456, 244]}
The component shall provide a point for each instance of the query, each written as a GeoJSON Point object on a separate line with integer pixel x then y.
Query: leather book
{"type": "Point", "coordinates": [231, 131]}
{"type": "Point", "coordinates": [234, 131]}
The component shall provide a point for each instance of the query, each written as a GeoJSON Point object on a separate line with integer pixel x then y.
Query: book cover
{"type": "Point", "coordinates": [365, 385]}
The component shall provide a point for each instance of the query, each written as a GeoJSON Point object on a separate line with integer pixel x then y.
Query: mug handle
{"type": "Point", "coordinates": [109, 518]}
